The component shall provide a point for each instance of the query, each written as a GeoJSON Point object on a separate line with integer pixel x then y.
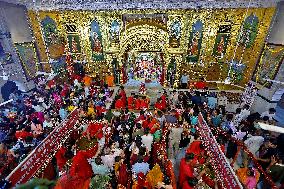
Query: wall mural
{"type": "Point", "coordinates": [221, 41]}
{"type": "Point", "coordinates": [53, 41]}
{"type": "Point", "coordinates": [59, 65]}
{"type": "Point", "coordinates": [175, 34]}
{"type": "Point", "coordinates": [237, 71]}
{"type": "Point", "coordinates": [249, 31]}
{"type": "Point", "coordinates": [74, 43]}
{"type": "Point", "coordinates": [96, 42]}
{"type": "Point", "coordinates": [195, 41]}
{"type": "Point", "coordinates": [269, 64]}
{"type": "Point", "coordinates": [114, 32]}
{"type": "Point", "coordinates": [28, 57]}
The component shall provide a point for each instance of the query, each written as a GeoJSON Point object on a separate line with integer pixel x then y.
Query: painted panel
{"type": "Point", "coordinates": [28, 58]}
{"type": "Point", "coordinates": [96, 41]}
{"type": "Point", "coordinates": [195, 41]}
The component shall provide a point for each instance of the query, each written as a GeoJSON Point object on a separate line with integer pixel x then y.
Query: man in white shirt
{"type": "Point", "coordinates": [222, 99]}
{"type": "Point", "coordinates": [174, 97]}
{"type": "Point", "coordinates": [175, 137]}
{"type": "Point", "coordinates": [254, 142]}
{"type": "Point", "coordinates": [238, 117]}
{"type": "Point", "coordinates": [184, 81]}
{"type": "Point", "coordinates": [245, 112]}
{"type": "Point", "coordinates": [147, 139]}
{"type": "Point", "coordinates": [270, 113]}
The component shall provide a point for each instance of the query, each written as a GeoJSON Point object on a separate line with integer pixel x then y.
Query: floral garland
{"type": "Point", "coordinates": [249, 95]}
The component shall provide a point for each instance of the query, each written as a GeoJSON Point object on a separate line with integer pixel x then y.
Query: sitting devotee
{"type": "Point", "coordinates": [119, 103]}
{"type": "Point", "coordinates": [130, 101]}
{"type": "Point", "coordinates": [144, 103]}
{"type": "Point", "coordinates": [122, 95]}
{"type": "Point", "coordinates": [110, 79]}
{"type": "Point", "coordinates": [160, 104]}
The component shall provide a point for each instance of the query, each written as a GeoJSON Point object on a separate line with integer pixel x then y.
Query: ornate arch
{"type": "Point", "coordinates": [144, 37]}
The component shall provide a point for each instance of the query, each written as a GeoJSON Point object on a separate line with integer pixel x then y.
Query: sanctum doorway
{"type": "Point", "coordinates": [144, 54]}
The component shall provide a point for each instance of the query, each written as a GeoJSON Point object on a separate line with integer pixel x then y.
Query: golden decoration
{"type": "Point", "coordinates": [150, 34]}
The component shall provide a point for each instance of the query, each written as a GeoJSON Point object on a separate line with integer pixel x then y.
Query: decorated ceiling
{"type": "Point", "coordinates": [139, 4]}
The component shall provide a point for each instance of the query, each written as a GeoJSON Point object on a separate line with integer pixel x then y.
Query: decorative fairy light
{"type": "Point", "coordinates": [238, 43]}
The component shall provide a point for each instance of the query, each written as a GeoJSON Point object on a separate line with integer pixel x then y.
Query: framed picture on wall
{"type": "Point", "coordinates": [74, 43]}
{"type": "Point", "coordinates": [269, 63]}
{"type": "Point", "coordinates": [222, 40]}
{"type": "Point", "coordinates": [28, 58]}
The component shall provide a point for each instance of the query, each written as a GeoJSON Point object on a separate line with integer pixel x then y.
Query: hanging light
{"type": "Point", "coordinates": [238, 42]}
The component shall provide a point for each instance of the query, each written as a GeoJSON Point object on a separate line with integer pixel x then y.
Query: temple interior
{"type": "Point", "coordinates": [142, 94]}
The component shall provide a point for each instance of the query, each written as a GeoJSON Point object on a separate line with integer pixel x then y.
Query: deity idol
{"type": "Point", "coordinates": [74, 46]}
{"type": "Point", "coordinates": [97, 44]}
{"type": "Point", "coordinates": [220, 47]}
{"type": "Point", "coordinates": [193, 50]}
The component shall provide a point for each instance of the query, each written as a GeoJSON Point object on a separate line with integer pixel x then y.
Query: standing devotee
{"type": "Point", "coordinates": [122, 95]}
{"type": "Point", "coordinates": [222, 99]}
{"type": "Point", "coordinates": [147, 139]}
{"type": "Point", "coordinates": [184, 81]}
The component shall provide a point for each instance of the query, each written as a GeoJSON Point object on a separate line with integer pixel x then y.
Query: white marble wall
{"type": "Point", "coordinates": [275, 36]}
{"type": "Point", "coordinates": [13, 19]}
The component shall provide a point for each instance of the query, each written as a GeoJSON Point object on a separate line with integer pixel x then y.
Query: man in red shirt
{"type": "Point", "coordinates": [197, 149]}
{"type": "Point", "coordinates": [200, 84]}
{"type": "Point", "coordinates": [186, 178]}
{"type": "Point", "coordinates": [186, 169]}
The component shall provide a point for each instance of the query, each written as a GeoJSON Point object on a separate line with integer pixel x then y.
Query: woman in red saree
{"type": "Point", "coordinates": [122, 95]}
{"type": "Point", "coordinates": [122, 176]}
{"type": "Point", "coordinates": [80, 172]}
{"type": "Point", "coordinates": [197, 149]}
